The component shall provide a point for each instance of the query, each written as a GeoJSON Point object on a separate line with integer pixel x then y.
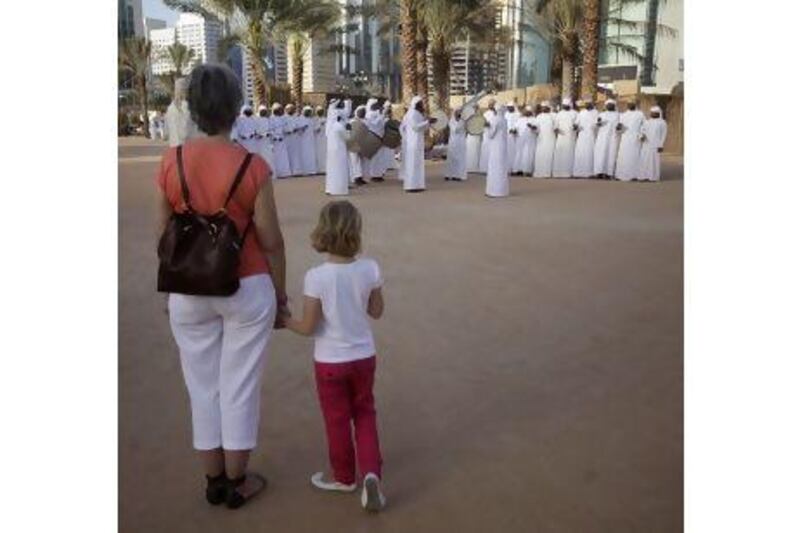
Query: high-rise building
{"type": "Point", "coordinates": [194, 32]}
{"type": "Point", "coordinates": [153, 24]}
{"type": "Point", "coordinates": [319, 65]}
{"type": "Point", "coordinates": [652, 54]}
{"type": "Point", "coordinates": [130, 22]}
{"type": "Point", "coordinates": [199, 34]}
{"type": "Point", "coordinates": [523, 62]}
{"type": "Point", "coordinates": [160, 39]}
{"type": "Point", "coordinates": [367, 54]}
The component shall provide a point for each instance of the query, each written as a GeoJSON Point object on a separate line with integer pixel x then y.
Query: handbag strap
{"type": "Point", "coordinates": [182, 177]}
{"type": "Point", "coordinates": [238, 179]}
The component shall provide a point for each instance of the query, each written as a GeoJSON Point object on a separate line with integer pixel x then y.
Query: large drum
{"type": "Point", "coordinates": [362, 141]}
{"type": "Point", "coordinates": [391, 134]}
{"type": "Point", "coordinates": [476, 124]}
{"type": "Point", "coordinates": [440, 120]}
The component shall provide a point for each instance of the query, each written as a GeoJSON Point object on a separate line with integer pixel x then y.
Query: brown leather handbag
{"type": "Point", "coordinates": [199, 254]}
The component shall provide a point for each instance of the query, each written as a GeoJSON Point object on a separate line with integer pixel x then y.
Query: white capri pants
{"type": "Point", "coordinates": [222, 343]}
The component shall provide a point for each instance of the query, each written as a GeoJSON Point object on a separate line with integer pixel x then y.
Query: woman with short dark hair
{"type": "Point", "coordinates": [222, 339]}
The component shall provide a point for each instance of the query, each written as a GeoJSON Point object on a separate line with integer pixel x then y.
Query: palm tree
{"type": "Point", "coordinates": [408, 44]}
{"type": "Point", "coordinates": [625, 42]}
{"type": "Point", "coordinates": [448, 23]}
{"type": "Point", "coordinates": [181, 58]}
{"type": "Point", "coordinates": [316, 21]}
{"type": "Point", "coordinates": [591, 47]}
{"type": "Point", "coordinates": [253, 25]}
{"type": "Point", "coordinates": [134, 57]}
{"type": "Point", "coordinates": [564, 20]}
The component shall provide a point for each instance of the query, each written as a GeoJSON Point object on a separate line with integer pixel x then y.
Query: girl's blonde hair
{"type": "Point", "coordinates": [338, 230]}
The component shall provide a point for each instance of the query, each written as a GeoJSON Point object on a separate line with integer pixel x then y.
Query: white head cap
{"type": "Point", "coordinates": [307, 108]}
{"type": "Point", "coordinates": [261, 108]}
{"type": "Point", "coordinates": [276, 105]}
{"type": "Point", "coordinates": [566, 101]}
{"type": "Point", "coordinates": [613, 102]}
{"type": "Point", "coordinates": [528, 108]}
{"type": "Point", "coordinates": [245, 107]}
{"type": "Point", "coordinates": [546, 103]}
{"type": "Point", "coordinates": [655, 109]}
{"type": "Point", "coordinates": [387, 104]}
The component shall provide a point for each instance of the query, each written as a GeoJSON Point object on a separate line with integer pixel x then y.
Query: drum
{"type": "Point", "coordinates": [476, 124]}
{"type": "Point", "coordinates": [391, 134]}
{"type": "Point", "coordinates": [440, 118]}
{"type": "Point", "coordinates": [362, 141]}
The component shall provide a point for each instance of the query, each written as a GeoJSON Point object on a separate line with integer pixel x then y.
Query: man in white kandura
{"type": "Point", "coordinates": [386, 154]}
{"type": "Point", "coordinates": [497, 174]}
{"type": "Point", "coordinates": [456, 149]}
{"type": "Point", "coordinates": [337, 164]}
{"type": "Point", "coordinates": [630, 145]}
{"type": "Point", "coordinates": [512, 115]}
{"type": "Point", "coordinates": [545, 142]}
{"type": "Point", "coordinates": [483, 163]}
{"type": "Point", "coordinates": [320, 139]}
{"type": "Point", "coordinates": [607, 141]}
{"type": "Point", "coordinates": [244, 129]}
{"type": "Point", "coordinates": [526, 143]}
{"type": "Point", "coordinates": [654, 134]}
{"type": "Point", "coordinates": [307, 142]}
{"type": "Point", "coordinates": [373, 167]}
{"type": "Point", "coordinates": [357, 173]}
{"type": "Point", "coordinates": [292, 139]}
{"type": "Point", "coordinates": [473, 144]}
{"type": "Point", "coordinates": [414, 126]}
{"type": "Point", "coordinates": [280, 154]}
{"type": "Point", "coordinates": [584, 147]}
{"type": "Point", "coordinates": [178, 122]}
{"type": "Point", "coordinates": [263, 135]}
{"type": "Point", "coordinates": [564, 154]}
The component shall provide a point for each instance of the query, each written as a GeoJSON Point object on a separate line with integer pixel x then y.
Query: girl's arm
{"type": "Point", "coordinates": [312, 312]}
{"type": "Point", "coordinates": [375, 304]}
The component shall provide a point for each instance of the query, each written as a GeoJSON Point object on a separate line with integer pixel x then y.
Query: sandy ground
{"type": "Point", "coordinates": [530, 364]}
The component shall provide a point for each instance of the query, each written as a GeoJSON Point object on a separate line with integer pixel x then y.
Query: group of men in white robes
{"type": "Point", "coordinates": [564, 144]}
{"type": "Point", "coordinates": [346, 169]}
{"type": "Point", "coordinates": [289, 142]}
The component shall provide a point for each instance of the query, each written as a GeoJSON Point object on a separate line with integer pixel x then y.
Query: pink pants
{"type": "Point", "coordinates": [345, 395]}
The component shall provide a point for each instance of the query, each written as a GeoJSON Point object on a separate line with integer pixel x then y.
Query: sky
{"type": "Point", "coordinates": [157, 10]}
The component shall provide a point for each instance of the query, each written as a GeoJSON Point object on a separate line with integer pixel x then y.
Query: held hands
{"type": "Point", "coordinates": [283, 314]}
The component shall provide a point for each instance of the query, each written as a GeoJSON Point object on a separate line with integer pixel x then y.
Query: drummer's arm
{"type": "Point", "coordinates": [421, 126]}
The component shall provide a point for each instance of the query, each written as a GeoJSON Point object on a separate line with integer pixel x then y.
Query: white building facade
{"type": "Point", "coordinates": [195, 33]}
{"type": "Point", "coordinates": [658, 61]}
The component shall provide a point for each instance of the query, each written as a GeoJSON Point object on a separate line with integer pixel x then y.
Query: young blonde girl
{"type": "Point", "coordinates": [340, 296]}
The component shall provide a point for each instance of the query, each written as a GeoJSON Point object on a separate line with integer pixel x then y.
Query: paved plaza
{"type": "Point", "coordinates": [530, 371]}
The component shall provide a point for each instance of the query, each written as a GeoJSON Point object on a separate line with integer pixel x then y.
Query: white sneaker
{"type": "Point", "coordinates": [319, 481]}
{"type": "Point", "coordinates": [372, 499]}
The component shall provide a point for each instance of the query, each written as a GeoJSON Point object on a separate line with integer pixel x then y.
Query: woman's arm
{"type": "Point", "coordinates": [312, 312]}
{"type": "Point", "coordinates": [375, 303]}
{"type": "Point", "coordinates": [269, 233]}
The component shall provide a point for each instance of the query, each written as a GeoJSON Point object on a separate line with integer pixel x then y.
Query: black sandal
{"type": "Point", "coordinates": [216, 489]}
{"type": "Point", "coordinates": [234, 498]}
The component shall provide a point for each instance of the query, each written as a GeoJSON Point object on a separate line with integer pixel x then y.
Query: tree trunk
{"type": "Point", "coordinates": [145, 110]}
{"type": "Point", "coordinates": [567, 77]}
{"type": "Point", "coordinates": [440, 60]}
{"type": "Point", "coordinates": [591, 48]}
{"type": "Point", "coordinates": [259, 79]}
{"type": "Point", "coordinates": [650, 43]}
{"type": "Point", "coordinates": [422, 64]}
{"type": "Point", "coordinates": [408, 44]}
{"type": "Point", "coordinates": [297, 73]}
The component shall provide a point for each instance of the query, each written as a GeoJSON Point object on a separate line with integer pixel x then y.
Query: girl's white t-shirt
{"type": "Point", "coordinates": [344, 333]}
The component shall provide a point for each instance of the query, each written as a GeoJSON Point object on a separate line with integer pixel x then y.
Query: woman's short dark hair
{"type": "Point", "coordinates": [214, 97]}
